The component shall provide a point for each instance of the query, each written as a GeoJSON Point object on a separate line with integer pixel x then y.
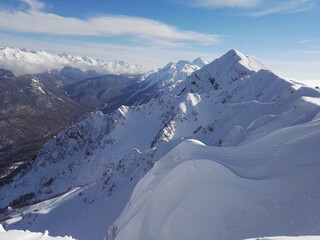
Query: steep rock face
{"type": "Point", "coordinates": [96, 163]}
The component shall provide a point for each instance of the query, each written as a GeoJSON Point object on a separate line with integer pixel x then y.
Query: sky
{"type": "Point", "coordinates": [282, 34]}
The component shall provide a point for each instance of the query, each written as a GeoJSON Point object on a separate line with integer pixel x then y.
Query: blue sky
{"type": "Point", "coordinates": [283, 34]}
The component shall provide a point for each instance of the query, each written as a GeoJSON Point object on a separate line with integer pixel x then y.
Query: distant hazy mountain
{"type": "Point", "coordinates": [135, 172]}
{"type": "Point", "coordinates": [106, 93]}
{"type": "Point", "coordinates": [65, 76]}
{"type": "Point", "coordinates": [200, 62]}
{"type": "Point", "coordinates": [24, 61]}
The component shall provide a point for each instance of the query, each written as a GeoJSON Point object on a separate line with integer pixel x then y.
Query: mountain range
{"type": "Point", "coordinates": [225, 150]}
{"type": "Point", "coordinates": [25, 61]}
{"type": "Point", "coordinates": [57, 97]}
{"type": "Point", "coordinates": [109, 92]}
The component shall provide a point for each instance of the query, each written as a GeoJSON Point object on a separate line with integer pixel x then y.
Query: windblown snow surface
{"type": "Point", "coordinates": [265, 188]}
{"type": "Point", "coordinates": [251, 170]}
{"type": "Point", "coordinates": [26, 235]}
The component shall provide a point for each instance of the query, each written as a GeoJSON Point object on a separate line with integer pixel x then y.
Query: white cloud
{"type": "Point", "coordinates": [144, 55]}
{"type": "Point", "coordinates": [284, 6]}
{"type": "Point", "coordinates": [34, 5]}
{"type": "Point", "coordinates": [224, 3]}
{"type": "Point", "coordinates": [295, 64]}
{"type": "Point", "coordinates": [256, 8]}
{"type": "Point", "coordinates": [308, 41]}
{"type": "Point", "coordinates": [35, 21]}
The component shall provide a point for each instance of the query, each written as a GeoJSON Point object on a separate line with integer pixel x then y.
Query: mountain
{"type": "Point", "coordinates": [165, 79]}
{"type": "Point", "coordinates": [109, 92]}
{"type": "Point", "coordinates": [31, 113]}
{"type": "Point", "coordinates": [87, 173]}
{"type": "Point", "coordinates": [24, 61]}
{"type": "Point", "coordinates": [106, 93]}
{"type": "Point", "coordinates": [65, 76]}
{"type": "Point", "coordinates": [199, 62]}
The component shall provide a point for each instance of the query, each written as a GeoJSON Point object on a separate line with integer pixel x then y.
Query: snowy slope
{"type": "Point", "coordinates": [86, 174]}
{"type": "Point", "coordinates": [26, 235]}
{"type": "Point", "coordinates": [269, 187]}
{"type": "Point", "coordinates": [23, 235]}
{"type": "Point", "coordinates": [157, 83]}
{"type": "Point", "coordinates": [171, 74]}
{"type": "Point", "coordinates": [24, 61]}
{"type": "Point", "coordinates": [310, 83]}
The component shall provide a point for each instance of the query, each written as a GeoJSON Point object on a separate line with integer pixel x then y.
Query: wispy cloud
{"type": "Point", "coordinates": [223, 3]}
{"type": "Point", "coordinates": [34, 5]}
{"type": "Point", "coordinates": [33, 20]}
{"type": "Point", "coordinates": [307, 41]}
{"type": "Point", "coordinates": [256, 8]}
{"type": "Point", "coordinates": [284, 6]}
{"type": "Point", "coordinates": [145, 55]}
{"type": "Point", "coordinates": [295, 63]}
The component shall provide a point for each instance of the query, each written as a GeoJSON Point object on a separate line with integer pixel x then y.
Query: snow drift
{"type": "Point", "coordinates": [266, 188]}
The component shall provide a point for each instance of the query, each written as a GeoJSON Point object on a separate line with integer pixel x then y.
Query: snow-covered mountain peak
{"type": "Point", "coordinates": [162, 81]}
{"type": "Point", "coordinates": [177, 65]}
{"type": "Point", "coordinates": [182, 63]}
{"type": "Point", "coordinates": [199, 62]}
{"type": "Point", "coordinates": [170, 75]}
{"type": "Point", "coordinates": [180, 66]}
{"type": "Point", "coordinates": [234, 53]}
{"type": "Point", "coordinates": [223, 72]}
{"type": "Point", "coordinates": [235, 58]}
